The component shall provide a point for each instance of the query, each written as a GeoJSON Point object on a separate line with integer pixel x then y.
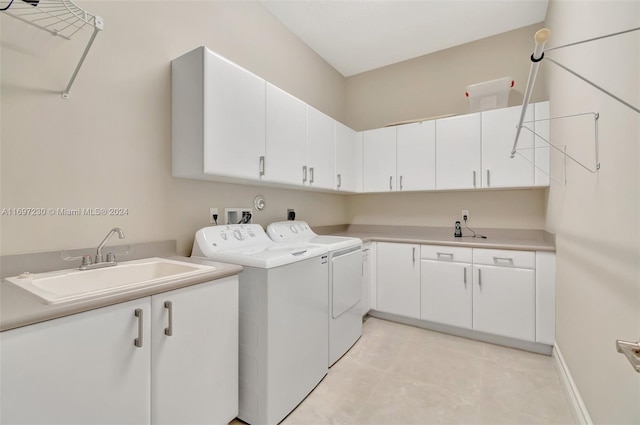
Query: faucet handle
{"type": "Point", "coordinates": [111, 258]}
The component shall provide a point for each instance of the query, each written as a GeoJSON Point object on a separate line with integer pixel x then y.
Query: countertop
{"type": "Point", "coordinates": [20, 309]}
{"type": "Point", "coordinates": [514, 239]}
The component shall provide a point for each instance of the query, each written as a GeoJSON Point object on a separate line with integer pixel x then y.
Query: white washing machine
{"type": "Point", "coordinates": [283, 317]}
{"type": "Point", "coordinates": [345, 281]}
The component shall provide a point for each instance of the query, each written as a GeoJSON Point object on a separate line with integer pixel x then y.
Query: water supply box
{"type": "Point", "coordinates": [490, 94]}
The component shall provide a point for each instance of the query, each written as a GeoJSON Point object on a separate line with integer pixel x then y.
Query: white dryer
{"type": "Point", "coordinates": [345, 281]}
{"type": "Point", "coordinates": [283, 317]}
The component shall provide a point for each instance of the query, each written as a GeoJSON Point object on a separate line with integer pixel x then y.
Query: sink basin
{"type": "Point", "coordinates": [66, 286]}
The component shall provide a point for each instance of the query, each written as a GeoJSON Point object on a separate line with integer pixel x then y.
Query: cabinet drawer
{"type": "Point", "coordinates": [505, 258]}
{"type": "Point", "coordinates": [445, 253]}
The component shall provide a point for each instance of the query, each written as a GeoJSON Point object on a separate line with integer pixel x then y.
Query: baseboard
{"type": "Point", "coordinates": [579, 410]}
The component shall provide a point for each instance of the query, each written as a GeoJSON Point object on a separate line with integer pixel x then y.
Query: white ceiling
{"type": "Point", "coordinates": [358, 36]}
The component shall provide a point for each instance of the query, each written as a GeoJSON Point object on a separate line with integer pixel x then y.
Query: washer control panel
{"type": "Point", "coordinates": [234, 235]}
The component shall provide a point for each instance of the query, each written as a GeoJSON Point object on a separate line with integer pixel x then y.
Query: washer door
{"type": "Point", "coordinates": [346, 272]}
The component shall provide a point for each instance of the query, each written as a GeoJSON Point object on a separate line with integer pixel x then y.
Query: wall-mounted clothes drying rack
{"type": "Point", "coordinates": [540, 40]}
{"type": "Point", "coordinates": [61, 18]}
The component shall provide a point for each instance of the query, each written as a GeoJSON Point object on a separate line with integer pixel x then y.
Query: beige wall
{"type": "Point", "coordinates": [511, 209]}
{"type": "Point", "coordinates": [110, 144]}
{"type": "Point", "coordinates": [435, 84]}
{"type": "Point", "coordinates": [596, 217]}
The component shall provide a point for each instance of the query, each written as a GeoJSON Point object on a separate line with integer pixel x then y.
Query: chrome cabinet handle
{"type": "Point", "coordinates": [339, 181]}
{"type": "Point", "coordinates": [139, 314]}
{"type": "Point", "coordinates": [496, 260]}
{"type": "Point", "coordinates": [400, 182]}
{"type": "Point", "coordinates": [311, 172]}
{"type": "Point", "coordinates": [488, 178]}
{"type": "Point", "coordinates": [474, 179]}
{"type": "Point", "coordinates": [304, 174]}
{"type": "Point", "coordinates": [390, 182]}
{"type": "Point", "coordinates": [480, 277]}
{"type": "Point", "coordinates": [261, 166]}
{"type": "Point", "coordinates": [169, 329]}
{"type": "Point", "coordinates": [445, 254]}
{"type": "Point", "coordinates": [465, 277]}
{"type": "Point", "coordinates": [414, 255]}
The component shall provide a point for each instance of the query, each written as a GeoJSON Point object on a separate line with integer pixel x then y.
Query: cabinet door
{"type": "Point", "coordinates": [416, 156]}
{"type": "Point", "coordinates": [365, 300]}
{"type": "Point", "coordinates": [320, 145]}
{"type": "Point", "coordinates": [217, 117]}
{"type": "Point", "coordinates": [286, 146]}
{"type": "Point", "coordinates": [379, 160]}
{"type": "Point", "coordinates": [79, 369]}
{"type": "Point", "coordinates": [195, 354]}
{"type": "Point", "coordinates": [543, 151]}
{"type": "Point", "coordinates": [504, 301]}
{"type": "Point", "coordinates": [347, 169]}
{"type": "Point", "coordinates": [398, 279]}
{"type": "Point", "coordinates": [498, 135]}
{"type": "Point", "coordinates": [458, 150]}
{"type": "Point", "coordinates": [446, 293]}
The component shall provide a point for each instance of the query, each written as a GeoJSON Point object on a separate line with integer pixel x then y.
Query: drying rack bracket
{"type": "Point", "coordinates": [60, 18]}
{"type": "Point", "coordinates": [563, 148]}
{"type": "Point", "coordinates": [538, 55]}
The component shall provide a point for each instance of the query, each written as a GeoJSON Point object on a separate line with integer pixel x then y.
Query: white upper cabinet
{"type": "Point", "coordinates": [498, 135]}
{"type": "Point", "coordinates": [379, 160]}
{"type": "Point", "coordinates": [458, 152]}
{"type": "Point", "coordinates": [320, 149]}
{"type": "Point", "coordinates": [286, 148]}
{"type": "Point", "coordinates": [348, 162]}
{"type": "Point", "coordinates": [218, 118]}
{"type": "Point", "coordinates": [416, 156]}
{"type": "Point", "coordinates": [543, 151]}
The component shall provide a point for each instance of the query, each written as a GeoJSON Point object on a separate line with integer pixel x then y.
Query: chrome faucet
{"type": "Point", "coordinates": [110, 259]}
{"type": "Point", "coordinates": [88, 264]}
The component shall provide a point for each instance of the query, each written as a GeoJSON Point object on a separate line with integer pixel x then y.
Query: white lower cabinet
{"type": "Point", "coordinates": [79, 369]}
{"type": "Point", "coordinates": [194, 354]}
{"type": "Point", "coordinates": [504, 294]}
{"type": "Point", "coordinates": [446, 286]}
{"type": "Point", "coordinates": [398, 279]}
{"type": "Point", "coordinates": [507, 293]}
{"type": "Point", "coordinates": [116, 364]}
{"type": "Point", "coordinates": [367, 262]}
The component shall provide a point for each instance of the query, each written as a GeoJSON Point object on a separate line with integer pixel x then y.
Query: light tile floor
{"type": "Point", "coordinates": [398, 374]}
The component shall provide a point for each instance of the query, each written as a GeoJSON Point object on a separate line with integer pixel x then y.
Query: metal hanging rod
{"type": "Point", "coordinates": [540, 39]}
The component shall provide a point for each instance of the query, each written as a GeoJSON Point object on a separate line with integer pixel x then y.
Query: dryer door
{"type": "Point", "coordinates": [346, 272]}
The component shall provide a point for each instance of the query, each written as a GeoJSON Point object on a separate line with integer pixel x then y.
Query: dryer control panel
{"type": "Point", "coordinates": [290, 231]}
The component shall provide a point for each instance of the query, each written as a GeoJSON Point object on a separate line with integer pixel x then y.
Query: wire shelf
{"type": "Point", "coordinates": [62, 18]}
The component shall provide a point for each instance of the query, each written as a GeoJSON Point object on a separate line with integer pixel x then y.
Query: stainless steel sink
{"type": "Point", "coordinates": [67, 286]}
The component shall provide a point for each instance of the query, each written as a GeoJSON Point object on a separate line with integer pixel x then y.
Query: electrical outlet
{"type": "Point", "coordinates": [465, 215]}
{"type": "Point", "coordinates": [212, 212]}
